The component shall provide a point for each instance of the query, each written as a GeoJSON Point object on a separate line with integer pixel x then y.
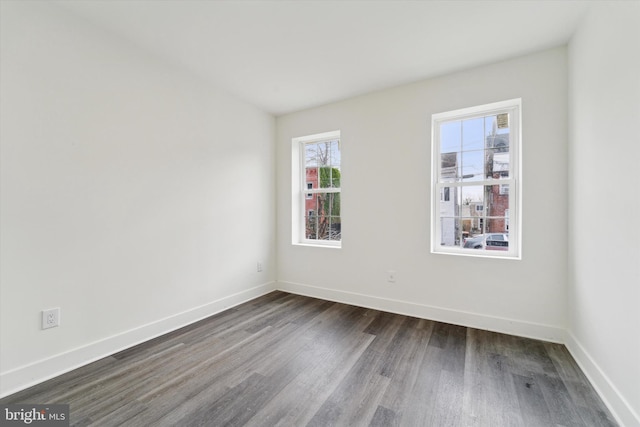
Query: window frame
{"type": "Point", "coordinates": [514, 108]}
{"type": "Point", "coordinates": [300, 190]}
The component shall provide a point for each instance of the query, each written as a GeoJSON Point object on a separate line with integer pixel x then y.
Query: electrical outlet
{"type": "Point", "coordinates": [51, 318]}
{"type": "Point", "coordinates": [391, 276]}
{"type": "Point", "coordinates": [259, 267]}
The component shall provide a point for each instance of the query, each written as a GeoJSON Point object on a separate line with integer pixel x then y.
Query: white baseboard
{"type": "Point", "coordinates": [34, 373]}
{"type": "Point", "coordinates": [455, 317]}
{"type": "Point", "coordinates": [617, 404]}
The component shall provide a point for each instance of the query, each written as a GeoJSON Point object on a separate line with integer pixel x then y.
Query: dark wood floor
{"type": "Point", "coordinates": [288, 360]}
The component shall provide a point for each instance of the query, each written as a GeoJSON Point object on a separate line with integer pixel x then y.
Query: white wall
{"type": "Point", "coordinates": [604, 276]}
{"type": "Point", "coordinates": [138, 199]}
{"type": "Point", "coordinates": [386, 171]}
{"type": "Point", "coordinates": [134, 197]}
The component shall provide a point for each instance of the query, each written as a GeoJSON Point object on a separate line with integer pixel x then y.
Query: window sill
{"type": "Point", "coordinates": [477, 254]}
{"type": "Point", "coordinates": [318, 245]}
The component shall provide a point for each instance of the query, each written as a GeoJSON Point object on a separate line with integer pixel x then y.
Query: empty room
{"type": "Point", "coordinates": [319, 213]}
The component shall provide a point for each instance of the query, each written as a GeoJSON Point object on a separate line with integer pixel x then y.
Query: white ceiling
{"type": "Point", "coordinates": [284, 56]}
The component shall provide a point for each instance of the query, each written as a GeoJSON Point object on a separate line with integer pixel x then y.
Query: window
{"type": "Point", "coordinates": [316, 183]}
{"type": "Point", "coordinates": [476, 180]}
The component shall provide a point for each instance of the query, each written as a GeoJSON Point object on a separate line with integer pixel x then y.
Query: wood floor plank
{"type": "Point", "coordinates": [556, 396]}
{"type": "Point", "coordinates": [418, 407]}
{"type": "Point", "coordinates": [534, 409]}
{"type": "Point", "coordinates": [448, 402]}
{"type": "Point", "coordinates": [302, 398]}
{"type": "Point", "coordinates": [328, 340]}
{"type": "Point", "coordinates": [211, 378]}
{"type": "Point", "coordinates": [404, 376]}
{"type": "Point", "coordinates": [289, 360]}
{"type": "Point", "coordinates": [393, 349]}
{"type": "Point", "coordinates": [362, 388]}
{"type": "Point", "coordinates": [383, 417]}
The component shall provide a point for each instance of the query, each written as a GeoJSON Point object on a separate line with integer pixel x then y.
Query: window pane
{"type": "Point", "coordinates": [311, 224]}
{"type": "Point", "coordinates": [500, 142]}
{"type": "Point", "coordinates": [450, 137]}
{"type": "Point", "coordinates": [318, 154]}
{"type": "Point", "coordinates": [472, 196]}
{"type": "Point", "coordinates": [311, 176]}
{"type": "Point", "coordinates": [473, 134]}
{"type": "Point", "coordinates": [323, 153]}
{"type": "Point", "coordinates": [310, 155]}
{"type": "Point", "coordinates": [474, 241]}
{"type": "Point", "coordinates": [445, 194]}
{"type": "Point", "coordinates": [449, 201]}
{"type": "Point", "coordinates": [490, 126]}
{"type": "Point", "coordinates": [323, 229]}
{"type": "Point", "coordinates": [324, 177]}
{"type": "Point", "coordinates": [503, 122]}
{"type": "Point", "coordinates": [335, 177]}
{"type": "Point", "coordinates": [335, 230]}
{"type": "Point", "coordinates": [311, 205]}
{"type": "Point", "coordinates": [449, 166]}
{"type": "Point", "coordinates": [450, 231]}
{"type": "Point", "coordinates": [333, 202]}
{"type": "Point", "coordinates": [497, 164]}
{"type": "Point", "coordinates": [473, 165]}
{"type": "Point", "coordinates": [496, 242]}
{"type": "Point", "coordinates": [472, 226]}
{"type": "Point", "coordinates": [497, 206]}
{"type": "Point", "coordinates": [334, 157]}
{"type": "Point", "coordinates": [506, 220]}
{"type": "Point", "coordinates": [496, 137]}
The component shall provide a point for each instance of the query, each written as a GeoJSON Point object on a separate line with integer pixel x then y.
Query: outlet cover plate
{"type": "Point", "coordinates": [50, 318]}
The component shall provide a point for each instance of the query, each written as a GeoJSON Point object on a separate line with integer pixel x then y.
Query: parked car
{"type": "Point", "coordinates": [489, 241]}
